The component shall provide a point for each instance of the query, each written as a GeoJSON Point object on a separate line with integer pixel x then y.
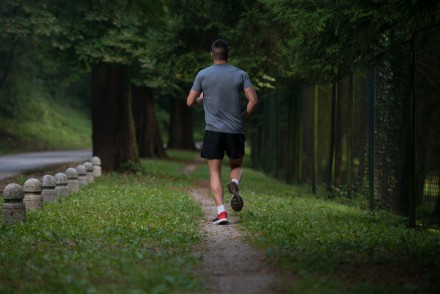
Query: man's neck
{"type": "Point", "coordinates": [220, 61]}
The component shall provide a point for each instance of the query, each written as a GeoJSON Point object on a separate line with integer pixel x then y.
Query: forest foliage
{"type": "Point", "coordinates": [48, 48]}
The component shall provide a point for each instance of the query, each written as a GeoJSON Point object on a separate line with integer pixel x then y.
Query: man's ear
{"type": "Point", "coordinates": [211, 56]}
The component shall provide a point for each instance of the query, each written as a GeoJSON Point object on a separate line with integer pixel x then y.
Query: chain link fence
{"type": "Point", "coordinates": [374, 135]}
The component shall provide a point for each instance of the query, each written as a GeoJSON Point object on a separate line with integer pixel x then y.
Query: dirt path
{"type": "Point", "coordinates": [230, 265]}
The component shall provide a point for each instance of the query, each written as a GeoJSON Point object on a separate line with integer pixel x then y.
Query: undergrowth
{"type": "Point", "coordinates": [48, 126]}
{"type": "Point", "coordinates": [335, 247]}
{"type": "Point", "coordinates": [133, 233]}
{"type": "Point", "coordinates": [122, 234]}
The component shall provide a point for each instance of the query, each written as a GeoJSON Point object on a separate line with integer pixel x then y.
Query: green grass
{"type": "Point", "coordinates": [182, 155]}
{"type": "Point", "coordinates": [48, 126]}
{"type": "Point", "coordinates": [133, 233]}
{"type": "Point", "coordinates": [122, 234]}
{"type": "Point", "coordinates": [335, 247]}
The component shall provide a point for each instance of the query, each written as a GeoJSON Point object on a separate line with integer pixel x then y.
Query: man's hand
{"type": "Point", "coordinates": [253, 101]}
{"type": "Point", "coordinates": [199, 100]}
{"type": "Point", "coordinates": [245, 115]}
{"type": "Point", "coordinates": [194, 98]}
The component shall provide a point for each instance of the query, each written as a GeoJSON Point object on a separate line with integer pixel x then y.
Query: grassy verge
{"type": "Point", "coordinates": [134, 233]}
{"type": "Point", "coordinates": [336, 248]}
{"type": "Point", "coordinates": [50, 126]}
{"type": "Point", "coordinates": [122, 234]}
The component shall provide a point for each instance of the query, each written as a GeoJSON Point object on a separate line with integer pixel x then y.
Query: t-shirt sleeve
{"type": "Point", "coordinates": [246, 81]}
{"type": "Point", "coordinates": [197, 86]}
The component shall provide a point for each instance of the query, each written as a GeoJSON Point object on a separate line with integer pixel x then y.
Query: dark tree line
{"type": "Point", "coordinates": [135, 51]}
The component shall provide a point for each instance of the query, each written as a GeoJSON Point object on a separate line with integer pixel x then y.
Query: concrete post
{"type": "Point", "coordinates": [89, 174]}
{"type": "Point", "coordinates": [13, 210]}
{"type": "Point", "coordinates": [72, 180]}
{"type": "Point", "coordinates": [82, 175]}
{"type": "Point", "coordinates": [97, 170]}
{"type": "Point", "coordinates": [61, 185]}
{"type": "Point", "coordinates": [48, 184]}
{"type": "Point", "coordinates": [32, 195]}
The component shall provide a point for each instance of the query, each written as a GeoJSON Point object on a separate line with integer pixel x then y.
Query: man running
{"type": "Point", "coordinates": [220, 87]}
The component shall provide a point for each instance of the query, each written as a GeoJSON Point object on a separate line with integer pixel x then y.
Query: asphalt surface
{"type": "Point", "coordinates": [16, 164]}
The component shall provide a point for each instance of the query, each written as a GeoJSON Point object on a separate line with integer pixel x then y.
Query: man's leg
{"type": "Point", "coordinates": [215, 171]}
{"type": "Point", "coordinates": [236, 166]}
{"type": "Point", "coordinates": [236, 172]}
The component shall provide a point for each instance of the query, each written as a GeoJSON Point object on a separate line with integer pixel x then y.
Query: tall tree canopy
{"type": "Point", "coordinates": [162, 44]}
{"type": "Point", "coordinates": [328, 38]}
{"type": "Point", "coordinates": [110, 37]}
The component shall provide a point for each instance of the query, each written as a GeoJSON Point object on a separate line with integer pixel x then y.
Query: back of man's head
{"type": "Point", "coordinates": [220, 50]}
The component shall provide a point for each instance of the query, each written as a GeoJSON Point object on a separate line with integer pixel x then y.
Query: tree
{"type": "Point", "coordinates": [21, 21]}
{"type": "Point", "coordinates": [29, 69]}
{"type": "Point", "coordinates": [183, 44]}
{"type": "Point", "coordinates": [147, 127]}
{"type": "Point", "coordinates": [110, 38]}
{"type": "Point", "coordinates": [329, 39]}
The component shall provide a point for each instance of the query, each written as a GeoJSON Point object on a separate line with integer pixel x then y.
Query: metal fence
{"type": "Point", "coordinates": [374, 134]}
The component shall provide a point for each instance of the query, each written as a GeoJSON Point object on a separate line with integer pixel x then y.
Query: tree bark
{"type": "Point", "coordinates": [113, 132]}
{"type": "Point", "coordinates": [181, 126]}
{"type": "Point", "coordinates": [146, 124]}
{"type": "Point", "coordinates": [7, 66]}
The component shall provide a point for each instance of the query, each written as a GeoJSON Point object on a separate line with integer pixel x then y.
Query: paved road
{"type": "Point", "coordinates": [16, 164]}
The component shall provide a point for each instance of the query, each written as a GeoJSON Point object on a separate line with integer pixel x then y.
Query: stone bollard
{"type": "Point", "coordinates": [97, 170]}
{"type": "Point", "coordinates": [48, 184]}
{"type": "Point", "coordinates": [89, 174]}
{"type": "Point", "coordinates": [61, 185]}
{"type": "Point", "coordinates": [82, 175]}
{"type": "Point", "coordinates": [13, 209]}
{"type": "Point", "coordinates": [32, 195]}
{"type": "Point", "coordinates": [72, 180]}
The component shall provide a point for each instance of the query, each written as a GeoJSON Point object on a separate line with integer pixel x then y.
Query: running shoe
{"type": "Point", "coordinates": [236, 201]}
{"type": "Point", "coordinates": [221, 219]}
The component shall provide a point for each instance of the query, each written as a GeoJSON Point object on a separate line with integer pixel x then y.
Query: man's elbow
{"type": "Point", "coordinates": [254, 101]}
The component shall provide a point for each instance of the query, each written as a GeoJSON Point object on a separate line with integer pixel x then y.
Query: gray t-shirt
{"type": "Point", "coordinates": [222, 86]}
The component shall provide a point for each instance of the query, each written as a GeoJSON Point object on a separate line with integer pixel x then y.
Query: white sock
{"type": "Point", "coordinates": [220, 209]}
{"type": "Point", "coordinates": [235, 181]}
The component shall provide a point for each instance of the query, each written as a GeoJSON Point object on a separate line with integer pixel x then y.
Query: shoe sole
{"type": "Point", "coordinates": [223, 221]}
{"type": "Point", "coordinates": [236, 201]}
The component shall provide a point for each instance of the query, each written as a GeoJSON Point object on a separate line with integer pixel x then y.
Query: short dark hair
{"type": "Point", "coordinates": [220, 49]}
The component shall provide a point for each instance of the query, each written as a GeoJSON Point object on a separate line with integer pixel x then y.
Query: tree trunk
{"type": "Point", "coordinates": [113, 132]}
{"type": "Point", "coordinates": [6, 68]}
{"type": "Point", "coordinates": [181, 126]}
{"type": "Point", "coordinates": [256, 142]}
{"type": "Point", "coordinates": [147, 127]}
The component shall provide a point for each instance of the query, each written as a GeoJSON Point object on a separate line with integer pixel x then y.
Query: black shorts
{"type": "Point", "coordinates": [215, 144]}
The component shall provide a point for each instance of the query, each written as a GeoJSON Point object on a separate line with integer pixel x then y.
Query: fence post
{"type": "Point", "coordinates": [315, 140]}
{"type": "Point", "coordinates": [300, 134]}
{"type": "Point", "coordinates": [97, 170]}
{"type": "Point", "coordinates": [32, 195]}
{"type": "Point", "coordinates": [371, 138]}
{"type": "Point", "coordinates": [82, 175]}
{"type": "Point", "coordinates": [89, 172]}
{"type": "Point", "coordinates": [13, 210]}
{"type": "Point", "coordinates": [350, 136]}
{"type": "Point", "coordinates": [291, 150]}
{"type": "Point", "coordinates": [411, 139]}
{"type": "Point", "coordinates": [331, 181]}
{"type": "Point", "coordinates": [48, 184]}
{"type": "Point", "coordinates": [72, 180]}
{"type": "Point", "coordinates": [61, 185]}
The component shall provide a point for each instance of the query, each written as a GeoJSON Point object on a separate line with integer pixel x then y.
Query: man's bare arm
{"type": "Point", "coordinates": [252, 103]}
{"type": "Point", "coordinates": [194, 98]}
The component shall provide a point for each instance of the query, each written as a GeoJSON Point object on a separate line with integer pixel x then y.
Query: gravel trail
{"type": "Point", "coordinates": [230, 265]}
